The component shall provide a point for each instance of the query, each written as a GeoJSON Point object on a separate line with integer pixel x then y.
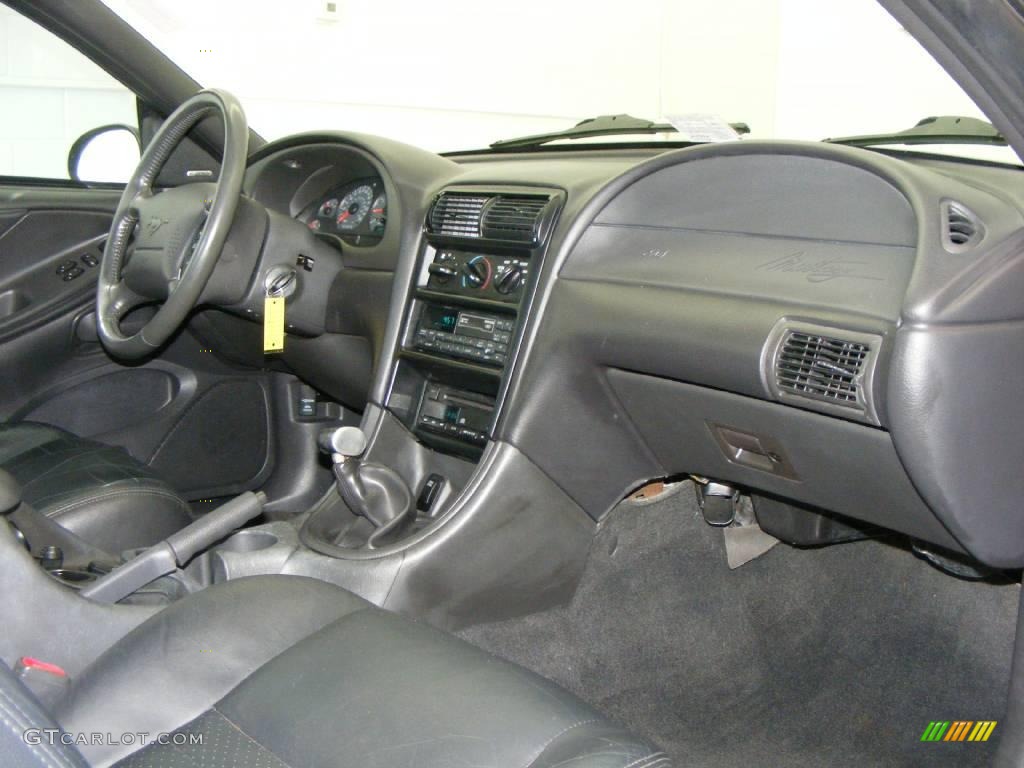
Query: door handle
{"type": "Point", "coordinates": [11, 302]}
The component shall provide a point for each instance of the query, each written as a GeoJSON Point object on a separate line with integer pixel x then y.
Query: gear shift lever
{"type": "Point", "coordinates": [369, 489]}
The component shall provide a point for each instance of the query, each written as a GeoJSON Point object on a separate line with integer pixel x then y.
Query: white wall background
{"type": "Point", "coordinates": [453, 74]}
{"type": "Point", "coordinates": [49, 96]}
{"type": "Point", "coordinates": [457, 74]}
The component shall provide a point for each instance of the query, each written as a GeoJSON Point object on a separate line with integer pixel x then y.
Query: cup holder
{"type": "Point", "coordinates": [248, 541]}
{"type": "Point", "coordinates": [73, 578]}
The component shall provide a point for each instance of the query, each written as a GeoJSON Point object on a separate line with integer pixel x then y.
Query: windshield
{"type": "Point", "coordinates": [460, 74]}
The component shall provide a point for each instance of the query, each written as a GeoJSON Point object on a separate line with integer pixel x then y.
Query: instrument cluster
{"type": "Point", "coordinates": [356, 212]}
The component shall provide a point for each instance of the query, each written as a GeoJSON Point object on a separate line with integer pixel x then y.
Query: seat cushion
{"type": "Point", "coordinates": [286, 671]}
{"type": "Point", "coordinates": [96, 491]}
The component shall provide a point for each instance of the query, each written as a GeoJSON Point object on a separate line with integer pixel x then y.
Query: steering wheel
{"type": "Point", "coordinates": [164, 245]}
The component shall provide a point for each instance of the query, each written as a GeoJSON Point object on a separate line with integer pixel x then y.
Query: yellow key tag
{"type": "Point", "coordinates": [273, 324]}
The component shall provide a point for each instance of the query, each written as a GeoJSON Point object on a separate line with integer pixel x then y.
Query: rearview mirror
{"type": "Point", "coordinates": [109, 153]}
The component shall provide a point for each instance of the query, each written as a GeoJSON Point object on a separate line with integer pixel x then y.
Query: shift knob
{"type": "Point", "coordinates": [346, 442]}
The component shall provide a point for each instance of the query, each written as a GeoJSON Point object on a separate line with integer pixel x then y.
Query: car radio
{"type": "Point", "coordinates": [455, 414]}
{"type": "Point", "coordinates": [469, 334]}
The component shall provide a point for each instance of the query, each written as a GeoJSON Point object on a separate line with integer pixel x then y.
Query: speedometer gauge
{"type": "Point", "coordinates": [379, 214]}
{"type": "Point", "coordinates": [353, 208]}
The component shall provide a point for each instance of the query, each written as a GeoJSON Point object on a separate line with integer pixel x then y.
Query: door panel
{"type": "Point", "coordinates": [50, 246]}
{"type": "Point", "coordinates": [202, 423]}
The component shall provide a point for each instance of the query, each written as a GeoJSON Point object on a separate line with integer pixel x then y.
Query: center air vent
{"type": "Point", "coordinates": [457, 215]}
{"type": "Point", "coordinates": [961, 229]}
{"type": "Point", "coordinates": [517, 218]}
{"type": "Point", "coordinates": [823, 368]}
{"type": "Point", "coordinates": [514, 218]}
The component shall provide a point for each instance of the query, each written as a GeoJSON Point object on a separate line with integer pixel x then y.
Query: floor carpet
{"type": "Point", "coordinates": [838, 656]}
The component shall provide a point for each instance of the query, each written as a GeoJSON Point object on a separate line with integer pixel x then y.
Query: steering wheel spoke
{"type": "Point", "coordinates": [122, 300]}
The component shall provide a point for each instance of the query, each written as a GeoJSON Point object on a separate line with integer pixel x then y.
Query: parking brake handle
{"type": "Point", "coordinates": [10, 493]}
{"type": "Point", "coordinates": [176, 550]}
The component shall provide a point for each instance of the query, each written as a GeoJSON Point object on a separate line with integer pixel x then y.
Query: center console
{"type": "Point", "coordinates": [483, 249]}
{"type": "Point", "coordinates": [420, 519]}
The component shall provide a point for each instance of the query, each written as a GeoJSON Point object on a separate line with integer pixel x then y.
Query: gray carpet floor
{"type": "Point", "coordinates": [838, 656]}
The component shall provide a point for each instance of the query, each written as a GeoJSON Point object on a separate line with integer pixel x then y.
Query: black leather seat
{"type": "Point", "coordinates": [96, 491]}
{"type": "Point", "coordinates": [284, 671]}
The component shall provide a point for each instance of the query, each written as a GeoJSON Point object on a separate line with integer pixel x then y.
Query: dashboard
{"type": "Point", "coordinates": [831, 328]}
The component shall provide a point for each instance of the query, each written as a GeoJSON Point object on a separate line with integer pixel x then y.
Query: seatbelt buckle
{"type": "Point", "coordinates": [48, 682]}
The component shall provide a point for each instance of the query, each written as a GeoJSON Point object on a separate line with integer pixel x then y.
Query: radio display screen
{"type": "Point", "coordinates": [440, 319]}
{"type": "Point", "coordinates": [449, 320]}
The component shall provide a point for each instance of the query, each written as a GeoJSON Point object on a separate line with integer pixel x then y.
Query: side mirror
{"type": "Point", "coordinates": [109, 153]}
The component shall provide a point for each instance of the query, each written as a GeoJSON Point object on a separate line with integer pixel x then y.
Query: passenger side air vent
{"type": "Point", "coordinates": [823, 368]}
{"type": "Point", "coordinates": [961, 229]}
{"type": "Point", "coordinates": [514, 218]}
{"type": "Point", "coordinates": [819, 366]}
{"type": "Point", "coordinates": [457, 214]}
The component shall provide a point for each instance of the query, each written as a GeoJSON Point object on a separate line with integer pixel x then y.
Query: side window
{"type": "Point", "coordinates": [54, 99]}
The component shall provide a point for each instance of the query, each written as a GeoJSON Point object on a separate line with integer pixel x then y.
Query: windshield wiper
{"type": "Point", "coordinates": [947, 129]}
{"type": "Point", "coordinates": [605, 125]}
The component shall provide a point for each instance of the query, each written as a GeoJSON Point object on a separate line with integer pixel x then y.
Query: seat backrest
{"type": "Point", "coordinates": [29, 736]}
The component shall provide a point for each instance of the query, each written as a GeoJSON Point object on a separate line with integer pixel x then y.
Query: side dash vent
{"type": "Point", "coordinates": [961, 229]}
{"type": "Point", "coordinates": [822, 368]}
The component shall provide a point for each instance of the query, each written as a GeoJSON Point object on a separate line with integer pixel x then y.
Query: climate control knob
{"type": "Point", "coordinates": [442, 272]}
{"type": "Point", "coordinates": [477, 272]}
{"type": "Point", "coordinates": [509, 281]}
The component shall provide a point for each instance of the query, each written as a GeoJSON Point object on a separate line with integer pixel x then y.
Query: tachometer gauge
{"type": "Point", "coordinates": [328, 208]}
{"type": "Point", "coordinates": [353, 208]}
{"type": "Point", "coordinates": [379, 214]}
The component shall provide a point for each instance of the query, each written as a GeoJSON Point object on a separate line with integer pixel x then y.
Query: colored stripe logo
{"type": "Point", "coordinates": [959, 730]}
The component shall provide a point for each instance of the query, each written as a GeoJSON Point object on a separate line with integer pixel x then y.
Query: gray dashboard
{"type": "Point", "coordinates": [667, 277]}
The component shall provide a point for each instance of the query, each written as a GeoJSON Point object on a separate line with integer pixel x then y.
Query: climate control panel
{"type": "Point", "coordinates": [485, 276]}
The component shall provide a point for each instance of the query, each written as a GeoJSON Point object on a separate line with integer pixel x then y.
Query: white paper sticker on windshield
{"type": "Point", "coordinates": [702, 127]}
